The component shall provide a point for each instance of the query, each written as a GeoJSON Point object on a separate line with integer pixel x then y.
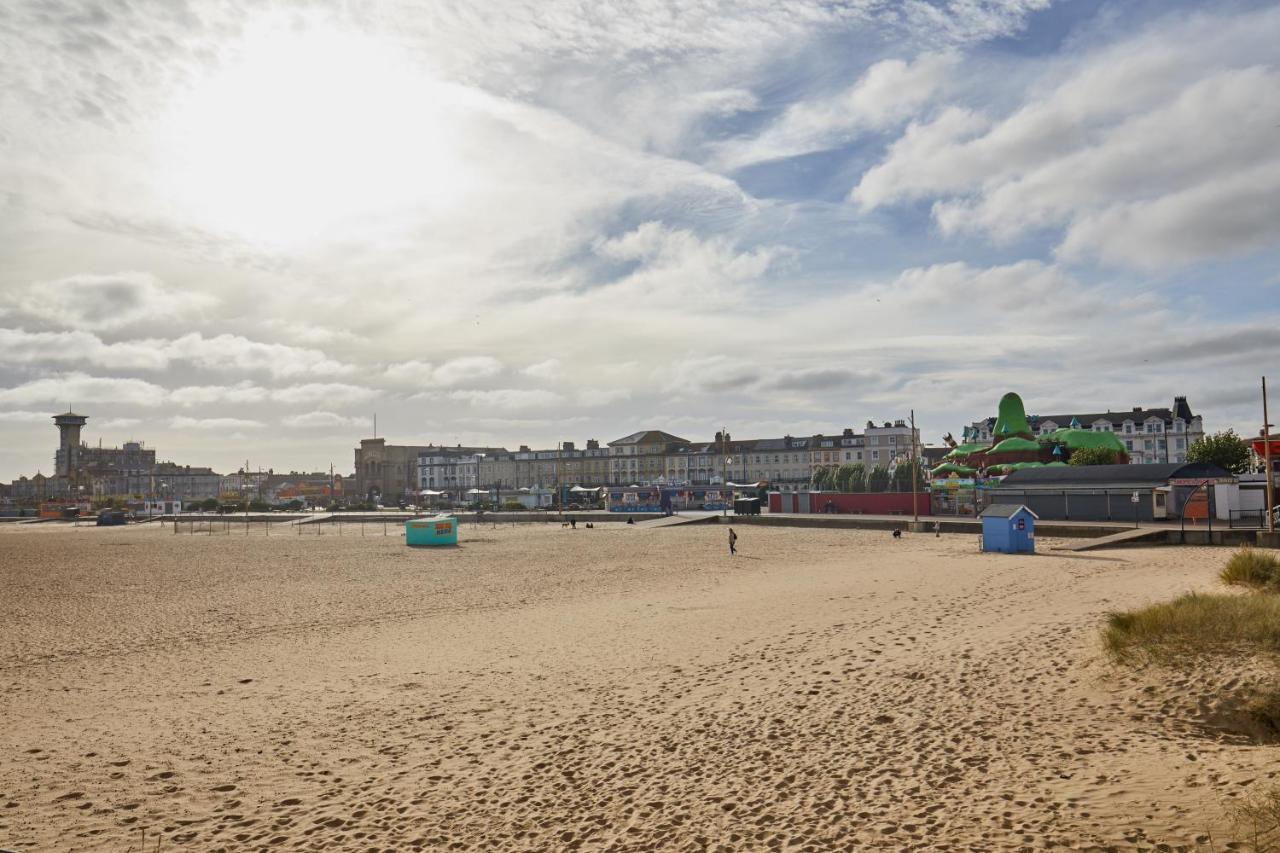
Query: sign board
{"type": "Point", "coordinates": [1133, 498]}
{"type": "Point", "coordinates": [953, 483]}
{"type": "Point", "coordinates": [1022, 524]}
{"type": "Point", "coordinates": [1196, 481]}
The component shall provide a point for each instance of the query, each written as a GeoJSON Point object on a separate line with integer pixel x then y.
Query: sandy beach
{"type": "Point", "coordinates": [612, 689]}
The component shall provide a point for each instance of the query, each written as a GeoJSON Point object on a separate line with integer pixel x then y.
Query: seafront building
{"type": "Point", "coordinates": [82, 471]}
{"type": "Point", "coordinates": [1149, 435]}
{"type": "Point", "coordinates": [645, 457]}
{"type": "Point", "coordinates": [391, 472]}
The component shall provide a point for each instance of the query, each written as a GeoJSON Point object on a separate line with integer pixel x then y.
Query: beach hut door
{"type": "Point", "coordinates": [1159, 503]}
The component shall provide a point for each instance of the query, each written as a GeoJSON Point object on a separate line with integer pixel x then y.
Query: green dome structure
{"type": "Point", "coordinates": [1015, 445]}
{"type": "Point", "coordinates": [948, 468]}
{"type": "Point", "coordinates": [1011, 418]}
{"type": "Point", "coordinates": [1075, 439]}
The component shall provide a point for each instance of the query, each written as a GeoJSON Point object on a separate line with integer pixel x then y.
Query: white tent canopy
{"type": "Point", "coordinates": [583, 489]}
{"type": "Point", "coordinates": [746, 485]}
{"type": "Point", "coordinates": [430, 493]}
{"type": "Point", "coordinates": [478, 492]}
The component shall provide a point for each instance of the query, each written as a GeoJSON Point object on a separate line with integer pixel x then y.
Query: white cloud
{"type": "Point", "coordinates": [18, 346]}
{"type": "Point", "coordinates": [117, 423]}
{"type": "Point", "coordinates": [330, 393]}
{"type": "Point", "coordinates": [670, 260]}
{"type": "Point", "coordinates": [204, 395]}
{"type": "Point", "coordinates": [324, 420]}
{"type": "Point", "coordinates": [181, 422]}
{"type": "Point", "coordinates": [602, 396]}
{"type": "Point", "coordinates": [333, 393]}
{"type": "Point", "coordinates": [236, 353]}
{"type": "Point", "coordinates": [458, 371]}
{"type": "Point", "coordinates": [549, 369]}
{"type": "Point", "coordinates": [1237, 214]}
{"type": "Point", "coordinates": [22, 416]}
{"type": "Point", "coordinates": [1155, 151]}
{"type": "Point", "coordinates": [887, 93]}
{"type": "Point", "coordinates": [509, 398]}
{"type": "Point", "coordinates": [226, 352]}
{"type": "Point", "coordinates": [309, 333]}
{"type": "Point", "coordinates": [78, 388]}
{"type": "Point", "coordinates": [108, 301]}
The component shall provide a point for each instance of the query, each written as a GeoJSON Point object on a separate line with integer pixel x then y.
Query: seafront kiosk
{"type": "Point", "coordinates": [1008, 529]}
{"type": "Point", "coordinates": [436, 530]}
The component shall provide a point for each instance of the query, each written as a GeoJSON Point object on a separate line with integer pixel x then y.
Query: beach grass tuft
{"type": "Point", "coordinates": [1252, 568]}
{"type": "Point", "coordinates": [1258, 820]}
{"type": "Point", "coordinates": [1195, 624]}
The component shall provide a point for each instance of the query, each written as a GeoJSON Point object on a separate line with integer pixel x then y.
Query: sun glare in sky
{"type": "Point", "coordinates": [299, 133]}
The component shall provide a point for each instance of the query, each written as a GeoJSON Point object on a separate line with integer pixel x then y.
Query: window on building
{"type": "Point", "coordinates": [875, 454]}
{"type": "Point", "coordinates": [1182, 443]}
{"type": "Point", "coordinates": [1128, 428]}
{"type": "Point", "coordinates": [1146, 445]}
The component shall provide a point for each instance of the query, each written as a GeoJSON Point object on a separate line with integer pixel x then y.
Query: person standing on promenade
{"type": "Point", "coordinates": [733, 542]}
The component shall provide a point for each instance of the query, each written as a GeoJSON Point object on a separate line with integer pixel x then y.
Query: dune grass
{"type": "Point", "coordinates": [1258, 820]}
{"type": "Point", "coordinates": [1252, 568]}
{"type": "Point", "coordinates": [1195, 624]}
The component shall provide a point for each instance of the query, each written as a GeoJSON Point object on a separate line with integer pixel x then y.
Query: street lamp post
{"type": "Point", "coordinates": [1269, 490]}
{"type": "Point", "coordinates": [915, 472]}
{"type": "Point", "coordinates": [724, 464]}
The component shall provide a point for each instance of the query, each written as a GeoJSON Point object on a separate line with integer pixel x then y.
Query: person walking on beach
{"type": "Point", "coordinates": [733, 542]}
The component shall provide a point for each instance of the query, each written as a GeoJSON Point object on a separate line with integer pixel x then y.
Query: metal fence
{"type": "Point", "coordinates": [1247, 519]}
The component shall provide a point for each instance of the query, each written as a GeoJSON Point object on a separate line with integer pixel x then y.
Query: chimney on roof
{"type": "Point", "coordinates": [592, 444]}
{"type": "Point", "coordinates": [524, 448]}
{"type": "Point", "coordinates": [848, 432]}
{"type": "Point", "coordinates": [719, 437]}
{"type": "Point", "coordinates": [566, 445]}
{"type": "Point", "coordinates": [1137, 408]}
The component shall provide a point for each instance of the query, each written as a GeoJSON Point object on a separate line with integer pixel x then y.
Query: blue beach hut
{"type": "Point", "coordinates": [1009, 529]}
{"type": "Point", "coordinates": [437, 530]}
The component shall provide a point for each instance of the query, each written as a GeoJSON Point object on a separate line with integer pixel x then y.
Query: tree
{"type": "Point", "coordinates": [902, 477]}
{"type": "Point", "coordinates": [1092, 456]}
{"type": "Point", "coordinates": [852, 478]}
{"type": "Point", "coordinates": [823, 478]}
{"type": "Point", "coordinates": [1226, 449]}
{"type": "Point", "coordinates": [878, 479]}
{"type": "Point", "coordinates": [858, 478]}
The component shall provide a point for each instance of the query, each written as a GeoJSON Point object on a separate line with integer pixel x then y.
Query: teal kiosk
{"type": "Point", "coordinates": [437, 530]}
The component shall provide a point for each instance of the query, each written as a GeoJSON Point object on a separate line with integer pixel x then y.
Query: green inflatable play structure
{"type": "Point", "coordinates": [1015, 445]}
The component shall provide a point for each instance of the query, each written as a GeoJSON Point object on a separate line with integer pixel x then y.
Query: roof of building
{"type": "Point", "coordinates": [1005, 511]}
{"type": "Point", "coordinates": [1138, 415]}
{"type": "Point", "coordinates": [1099, 476]}
{"type": "Point", "coordinates": [648, 436]}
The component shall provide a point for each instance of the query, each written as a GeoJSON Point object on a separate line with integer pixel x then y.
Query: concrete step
{"type": "Point", "coordinates": [1124, 537]}
{"type": "Point", "coordinates": [673, 520]}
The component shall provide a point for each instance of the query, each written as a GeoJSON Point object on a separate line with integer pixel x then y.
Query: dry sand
{"type": "Point", "coordinates": [609, 689]}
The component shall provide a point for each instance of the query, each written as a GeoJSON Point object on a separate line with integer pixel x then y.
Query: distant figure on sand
{"type": "Point", "coordinates": [937, 529]}
{"type": "Point", "coordinates": [897, 533]}
{"type": "Point", "coordinates": [630, 520]}
{"type": "Point", "coordinates": [733, 542]}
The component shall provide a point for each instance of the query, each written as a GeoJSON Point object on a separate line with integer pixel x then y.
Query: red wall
{"type": "Point", "coordinates": [878, 503]}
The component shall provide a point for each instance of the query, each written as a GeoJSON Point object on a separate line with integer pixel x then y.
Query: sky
{"type": "Point", "coordinates": [239, 231]}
